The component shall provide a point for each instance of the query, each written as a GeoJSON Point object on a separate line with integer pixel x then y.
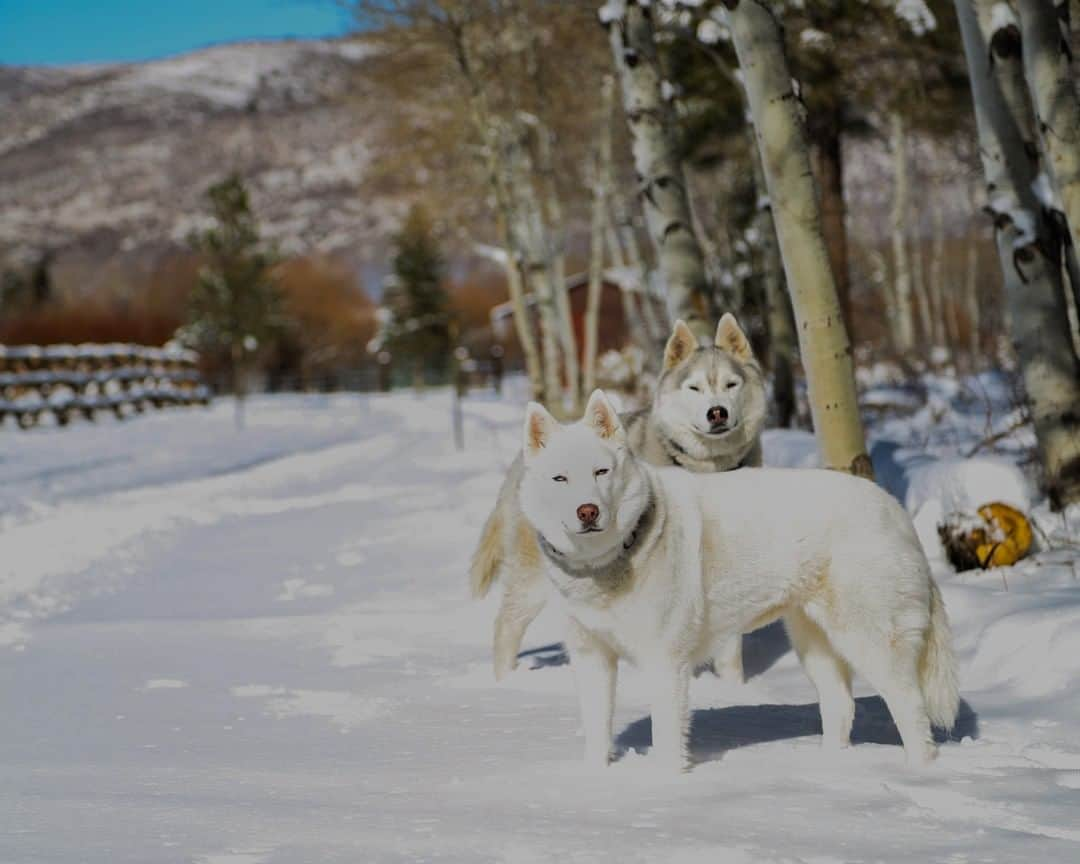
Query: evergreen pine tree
{"type": "Point", "coordinates": [234, 305]}
{"type": "Point", "coordinates": [416, 298]}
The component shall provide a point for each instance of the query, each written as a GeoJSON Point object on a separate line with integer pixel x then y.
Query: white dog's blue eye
{"type": "Point", "coordinates": [600, 472]}
{"type": "Point", "coordinates": [559, 478]}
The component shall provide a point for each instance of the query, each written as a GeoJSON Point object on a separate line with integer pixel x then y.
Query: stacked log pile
{"type": "Point", "coordinates": [68, 381]}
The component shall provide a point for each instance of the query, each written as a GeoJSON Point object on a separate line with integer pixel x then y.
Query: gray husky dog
{"type": "Point", "coordinates": [706, 416]}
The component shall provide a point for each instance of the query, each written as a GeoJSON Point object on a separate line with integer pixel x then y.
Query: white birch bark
{"type": "Point", "coordinates": [1030, 261]}
{"type": "Point", "coordinates": [654, 332]}
{"type": "Point", "coordinates": [551, 224]}
{"type": "Point", "coordinates": [549, 220]}
{"type": "Point", "coordinates": [661, 177]}
{"type": "Point", "coordinates": [528, 229]}
{"type": "Point", "coordinates": [1051, 81]}
{"type": "Point", "coordinates": [823, 340]}
{"type": "Point", "coordinates": [601, 175]}
{"type": "Point", "coordinates": [904, 334]}
{"type": "Point", "coordinates": [487, 132]}
{"type": "Point", "coordinates": [596, 281]}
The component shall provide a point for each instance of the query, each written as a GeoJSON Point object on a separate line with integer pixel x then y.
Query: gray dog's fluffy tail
{"type": "Point", "coordinates": [937, 666]}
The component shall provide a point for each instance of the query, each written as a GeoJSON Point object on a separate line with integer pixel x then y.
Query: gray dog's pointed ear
{"type": "Point", "coordinates": [680, 346]}
{"type": "Point", "coordinates": [602, 418]}
{"type": "Point", "coordinates": [539, 427]}
{"type": "Point", "coordinates": [730, 338]}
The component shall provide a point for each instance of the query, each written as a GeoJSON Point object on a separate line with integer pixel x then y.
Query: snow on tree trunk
{"type": "Point", "coordinates": [782, 340]}
{"type": "Point", "coordinates": [663, 187]}
{"type": "Point", "coordinates": [1052, 83]}
{"type": "Point", "coordinates": [1028, 248]}
{"type": "Point", "coordinates": [823, 340]}
{"type": "Point", "coordinates": [905, 323]}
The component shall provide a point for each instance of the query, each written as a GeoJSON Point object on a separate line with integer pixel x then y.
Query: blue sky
{"type": "Point", "coordinates": [81, 31]}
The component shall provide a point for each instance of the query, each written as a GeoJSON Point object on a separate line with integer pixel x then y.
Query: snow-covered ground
{"type": "Point", "coordinates": [246, 647]}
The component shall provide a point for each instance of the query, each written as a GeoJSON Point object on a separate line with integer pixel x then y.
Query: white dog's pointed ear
{"type": "Point", "coordinates": [730, 338]}
{"type": "Point", "coordinates": [539, 426]}
{"type": "Point", "coordinates": [680, 346]}
{"type": "Point", "coordinates": [601, 417]}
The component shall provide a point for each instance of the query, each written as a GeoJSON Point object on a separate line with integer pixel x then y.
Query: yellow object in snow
{"type": "Point", "coordinates": [1008, 539]}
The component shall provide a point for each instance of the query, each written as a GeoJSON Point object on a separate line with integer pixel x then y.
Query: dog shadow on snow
{"type": "Point", "coordinates": [761, 649]}
{"type": "Point", "coordinates": [714, 731]}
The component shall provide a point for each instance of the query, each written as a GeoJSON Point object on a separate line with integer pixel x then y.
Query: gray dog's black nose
{"type": "Point", "coordinates": [716, 415]}
{"type": "Point", "coordinates": [588, 514]}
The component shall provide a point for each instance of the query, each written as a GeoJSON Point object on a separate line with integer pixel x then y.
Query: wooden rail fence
{"type": "Point", "coordinates": [66, 381]}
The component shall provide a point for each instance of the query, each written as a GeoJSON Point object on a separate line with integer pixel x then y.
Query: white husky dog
{"type": "Point", "coordinates": [657, 566]}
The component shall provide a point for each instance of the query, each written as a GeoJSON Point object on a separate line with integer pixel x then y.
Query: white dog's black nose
{"type": "Point", "coordinates": [587, 514]}
{"type": "Point", "coordinates": [717, 415]}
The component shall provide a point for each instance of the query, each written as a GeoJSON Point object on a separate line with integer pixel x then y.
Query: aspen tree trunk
{"type": "Point", "coordinates": [918, 282]}
{"type": "Point", "coordinates": [944, 329]}
{"type": "Point", "coordinates": [879, 264]}
{"type": "Point", "coordinates": [662, 180]}
{"type": "Point", "coordinates": [522, 322]}
{"type": "Point", "coordinates": [528, 230]}
{"type": "Point", "coordinates": [905, 323]}
{"type": "Point", "coordinates": [823, 340]}
{"type": "Point", "coordinates": [971, 294]}
{"type": "Point", "coordinates": [782, 339]}
{"type": "Point", "coordinates": [655, 331]}
{"type": "Point", "coordinates": [1029, 257]}
{"type": "Point", "coordinates": [635, 325]}
{"type": "Point", "coordinates": [552, 215]}
{"type": "Point", "coordinates": [601, 189]}
{"type": "Point", "coordinates": [548, 220]}
{"type": "Point", "coordinates": [596, 281]}
{"type": "Point", "coordinates": [488, 133]}
{"type": "Point", "coordinates": [828, 158]}
{"type": "Point", "coordinates": [1051, 80]}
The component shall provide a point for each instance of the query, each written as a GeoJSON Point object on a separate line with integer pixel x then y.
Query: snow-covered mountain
{"type": "Point", "coordinates": [115, 158]}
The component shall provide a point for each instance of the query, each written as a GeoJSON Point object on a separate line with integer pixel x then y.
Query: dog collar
{"type": "Point", "coordinates": [609, 571]}
{"type": "Point", "coordinates": [675, 451]}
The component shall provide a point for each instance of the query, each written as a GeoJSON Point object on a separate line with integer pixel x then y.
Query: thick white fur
{"type": "Point", "coordinates": [832, 554]}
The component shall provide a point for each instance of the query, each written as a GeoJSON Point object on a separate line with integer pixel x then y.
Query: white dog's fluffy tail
{"type": "Point", "coordinates": [488, 555]}
{"type": "Point", "coordinates": [937, 666]}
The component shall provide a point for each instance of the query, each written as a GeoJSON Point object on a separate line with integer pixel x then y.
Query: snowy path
{"type": "Point", "coordinates": [258, 648]}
